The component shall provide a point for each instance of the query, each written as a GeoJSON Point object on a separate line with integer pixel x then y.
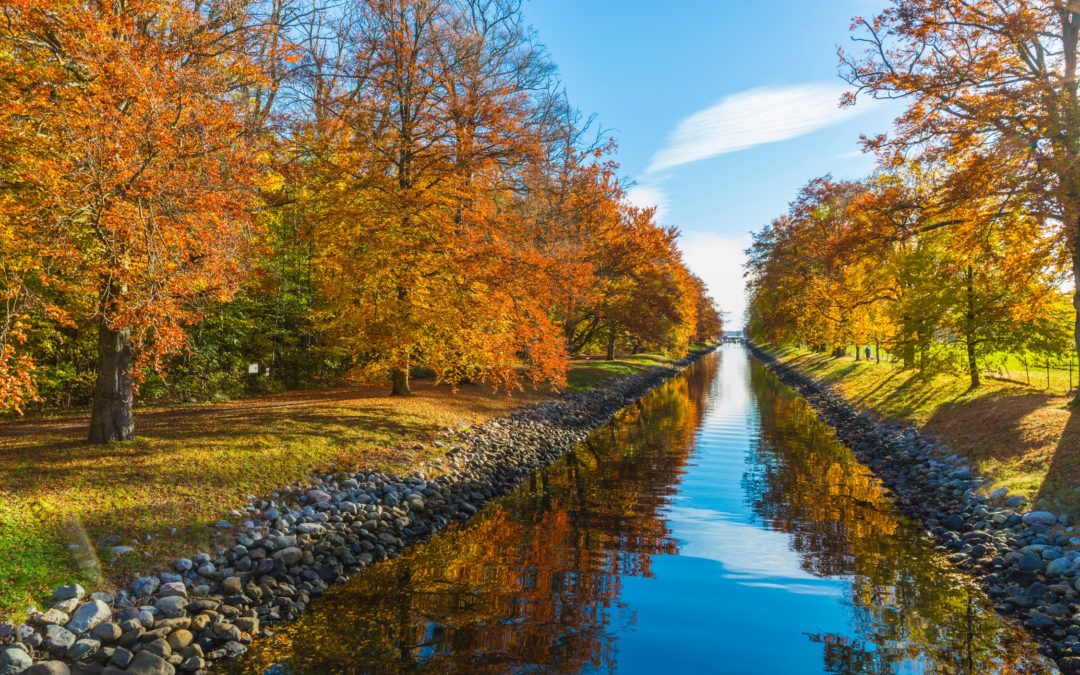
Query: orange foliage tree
{"type": "Point", "coordinates": [129, 127]}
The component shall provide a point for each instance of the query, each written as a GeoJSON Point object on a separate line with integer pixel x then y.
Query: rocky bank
{"type": "Point", "coordinates": [1027, 561]}
{"type": "Point", "coordinates": [295, 543]}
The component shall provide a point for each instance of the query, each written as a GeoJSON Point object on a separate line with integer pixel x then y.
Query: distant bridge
{"type": "Point", "coordinates": [737, 339]}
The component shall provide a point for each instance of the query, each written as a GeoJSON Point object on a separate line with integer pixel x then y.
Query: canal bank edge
{"type": "Point", "coordinates": [1027, 562]}
{"type": "Point", "coordinates": [209, 608]}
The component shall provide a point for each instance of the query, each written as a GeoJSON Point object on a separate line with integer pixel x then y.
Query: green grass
{"type": "Point", "coordinates": [586, 375]}
{"type": "Point", "coordinates": [1024, 438]}
{"type": "Point", "coordinates": [190, 465]}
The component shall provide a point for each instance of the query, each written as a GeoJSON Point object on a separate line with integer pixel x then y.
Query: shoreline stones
{"type": "Point", "coordinates": [292, 545]}
{"type": "Point", "coordinates": [1027, 562]}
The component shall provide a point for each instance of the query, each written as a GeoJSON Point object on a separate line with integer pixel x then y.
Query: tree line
{"type": "Point", "coordinates": [326, 188]}
{"type": "Point", "coordinates": [962, 244]}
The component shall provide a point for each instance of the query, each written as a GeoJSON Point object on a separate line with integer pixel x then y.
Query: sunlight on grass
{"type": "Point", "coordinates": [1020, 437]}
{"type": "Point", "coordinates": [188, 468]}
{"type": "Point", "coordinates": [586, 375]}
{"type": "Point", "coordinates": [191, 465]}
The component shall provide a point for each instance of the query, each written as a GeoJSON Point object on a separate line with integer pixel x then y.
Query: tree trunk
{"type": "Point", "coordinates": [111, 418]}
{"type": "Point", "coordinates": [907, 349]}
{"type": "Point", "coordinates": [400, 379]}
{"type": "Point", "coordinates": [969, 328]}
{"type": "Point", "coordinates": [857, 355]}
{"type": "Point", "coordinates": [1076, 301]}
{"type": "Point", "coordinates": [611, 343]}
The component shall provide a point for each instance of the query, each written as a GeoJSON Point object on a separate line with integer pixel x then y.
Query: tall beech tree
{"type": "Point", "coordinates": [979, 75]}
{"type": "Point", "coordinates": [424, 261]}
{"type": "Point", "coordinates": [136, 121]}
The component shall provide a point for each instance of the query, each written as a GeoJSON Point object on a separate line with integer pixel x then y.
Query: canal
{"type": "Point", "coordinates": [715, 526]}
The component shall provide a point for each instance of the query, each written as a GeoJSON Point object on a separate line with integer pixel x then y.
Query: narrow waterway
{"type": "Point", "coordinates": [716, 527]}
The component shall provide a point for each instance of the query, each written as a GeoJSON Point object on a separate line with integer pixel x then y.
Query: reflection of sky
{"type": "Point", "coordinates": [752, 556]}
{"type": "Point", "coordinates": [736, 595]}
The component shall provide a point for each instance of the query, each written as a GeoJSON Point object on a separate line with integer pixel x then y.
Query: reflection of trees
{"type": "Point", "coordinates": [534, 580]}
{"type": "Point", "coordinates": [910, 611]}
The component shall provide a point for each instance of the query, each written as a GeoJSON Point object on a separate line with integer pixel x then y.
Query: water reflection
{"type": "Point", "coordinates": [715, 526]}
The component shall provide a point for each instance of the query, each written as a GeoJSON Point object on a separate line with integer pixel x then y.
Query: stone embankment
{"type": "Point", "coordinates": [295, 544]}
{"type": "Point", "coordinates": [1027, 561]}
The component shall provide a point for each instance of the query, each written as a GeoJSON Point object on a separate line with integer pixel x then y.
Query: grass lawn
{"type": "Point", "coordinates": [1022, 437]}
{"type": "Point", "coordinates": [587, 374]}
{"type": "Point", "coordinates": [189, 466]}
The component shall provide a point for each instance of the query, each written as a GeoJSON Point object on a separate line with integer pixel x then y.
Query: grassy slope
{"type": "Point", "coordinates": [191, 465]}
{"type": "Point", "coordinates": [1021, 437]}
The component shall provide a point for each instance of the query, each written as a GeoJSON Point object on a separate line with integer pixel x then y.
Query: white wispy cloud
{"type": "Point", "coordinates": [646, 196]}
{"type": "Point", "coordinates": [754, 117]}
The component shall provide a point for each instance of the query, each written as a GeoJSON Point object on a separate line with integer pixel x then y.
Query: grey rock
{"type": "Point", "coordinates": [88, 616]}
{"type": "Point", "coordinates": [172, 607]}
{"type": "Point", "coordinates": [1040, 518]}
{"type": "Point", "coordinates": [234, 649]}
{"type": "Point", "coordinates": [107, 598]}
{"type": "Point", "coordinates": [49, 668]}
{"type": "Point", "coordinates": [954, 522]}
{"type": "Point", "coordinates": [144, 587]}
{"type": "Point", "coordinates": [58, 639]}
{"type": "Point", "coordinates": [173, 588]}
{"type": "Point", "coordinates": [290, 556]}
{"type": "Point", "coordinates": [183, 565]}
{"type": "Point", "coordinates": [231, 586]}
{"type": "Point", "coordinates": [111, 540]}
{"type": "Point", "coordinates": [83, 649]}
{"type": "Point", "coordinates": [158, 647]}
{"type": "Point", "coordinates": [146, 663]}
{"type": "Point", "coordinates": [67, 606]}
{"type": "Point", "coordinates": [1061, 567]}
{"type": "Point", "coordinates": [70, 591]}
{"type": "Point", "coordinates": [121, 657]}
{"type": "Point", "coordinates": [14, 660]}
{"type": "Point", "coordinates": [106, 633]}
{"type": "Point", "coordinates": [53, 616]}
{"type": "Point", "coordinates": [319, 496]}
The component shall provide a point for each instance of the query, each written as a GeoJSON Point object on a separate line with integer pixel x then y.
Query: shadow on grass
{"type": "Point", "coordinates": [1063, 476]}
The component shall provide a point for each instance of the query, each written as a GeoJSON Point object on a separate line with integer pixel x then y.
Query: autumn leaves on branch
{"type": "Point", "coordinates": [159, 159]}
{"type": "Point", "coordinates": [959, 244]}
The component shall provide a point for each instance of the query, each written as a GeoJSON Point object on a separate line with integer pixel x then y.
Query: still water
{"type": "Point", "coordinates": [714, 527]}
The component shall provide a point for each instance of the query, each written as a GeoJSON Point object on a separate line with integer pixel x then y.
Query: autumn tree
{"type": "Point", "coordinates": [423, 261]}
{"type": "Point", "coordinates": [984, 76]}
{"type": "Point", "coordinates": [134, 120]}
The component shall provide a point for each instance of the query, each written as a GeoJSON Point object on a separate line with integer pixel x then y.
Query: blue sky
{"type": "Point", "coordinates": [723, 108]}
